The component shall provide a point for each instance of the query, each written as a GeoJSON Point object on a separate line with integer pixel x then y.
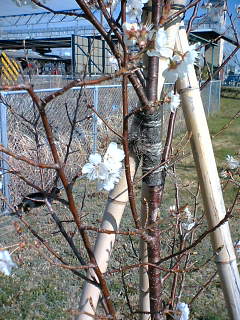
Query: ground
{"type": "Point", "coordinates": [39, 290]}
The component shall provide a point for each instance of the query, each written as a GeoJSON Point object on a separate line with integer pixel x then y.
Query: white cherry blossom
{"type": "Point", "coordinates": [188, 226]}
{"type": "Point", "coordinates": [182, 311]}
{"type": "Point", "coordinates": [113, 157]}
{"type": "Point", "coordinates": [130, 33]}
{"type": "Point", "coordinates": [223, 174]}
{"type": "Point", "coordinates": [178, 65]}
{"type": "Point", "coordinates": [232, 163]}
{"type": "Point", "coordinates": [95, 169]}
{"type": "Point", "coordinates": [189, 223]}
{"type": "Point", "coordinates": [6, 262]}
{"type": "Point", "coordinates": [134, 9]}
{"type": "Point", "coordinates": [172, 209]}
{"type": "Point", "coordinates": [160, 40]}
{"type": "Point", "coordinates": [136, 34]}
{"type": "Point", "coordinates": [106, 171]}
{"type": "Point", "coordinates": [172, 101]}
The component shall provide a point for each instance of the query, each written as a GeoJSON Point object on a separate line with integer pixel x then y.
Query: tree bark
{"type": "Point", "coordinates": [151, 134]}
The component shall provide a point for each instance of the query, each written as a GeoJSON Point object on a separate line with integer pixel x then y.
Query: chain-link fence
{"type": "Point", "coordinates": [211, 96]}
{"type": "Point", "coordinates": [77, 130]}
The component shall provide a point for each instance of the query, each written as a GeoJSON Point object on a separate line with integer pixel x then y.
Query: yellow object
{"type": "Point", "coordinates": [9, 70]}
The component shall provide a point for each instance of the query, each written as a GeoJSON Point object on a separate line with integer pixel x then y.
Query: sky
{"type": "Point", "coordinates": [9, 7]}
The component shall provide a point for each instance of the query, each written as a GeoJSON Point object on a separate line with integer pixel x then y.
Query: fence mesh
{"type": "Point", "coordinates": [71, 119]}
{"type": "Point", "coordinates": [211, 97]}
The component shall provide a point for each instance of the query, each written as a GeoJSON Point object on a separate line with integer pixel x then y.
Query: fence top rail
{"type": "Point", "coordinates": [77, 88]}
{"type": "Point", "coordinates": [55, 89]}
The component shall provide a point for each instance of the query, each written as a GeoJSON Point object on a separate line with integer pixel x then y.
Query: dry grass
{"type": "Point", "coordinates": [39, 290]}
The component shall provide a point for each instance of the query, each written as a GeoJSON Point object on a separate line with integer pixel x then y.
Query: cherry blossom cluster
{"type": "Point", "coordinates": [105, 171]}
{"type": "Point", "coordinates": [232, 168]}
{"type": "Point", "coordinates": [187, 220]}
{"type": "Point", "coordinates": [178, 65]}
{"type": "Point", "coordinates": [136, 34]}
{"type": "Point", "coordinates": [6, 262]}
{"type": "Point", "coordinates": [232, 163]}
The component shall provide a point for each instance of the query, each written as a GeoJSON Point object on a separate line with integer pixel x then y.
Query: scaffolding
{"type": "Point", "coordinates": [44, 24]}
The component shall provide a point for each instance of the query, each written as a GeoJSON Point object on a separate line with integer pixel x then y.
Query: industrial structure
{"type": "Point", "coordinates": [67, 44]}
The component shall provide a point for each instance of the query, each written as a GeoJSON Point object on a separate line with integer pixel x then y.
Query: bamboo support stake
{"type": "Point", "coordinates": [210, 183]}
{"type": "Point", "coordinates": [144, 302]}
{"type": "Point", "coordinates": [105, 242]}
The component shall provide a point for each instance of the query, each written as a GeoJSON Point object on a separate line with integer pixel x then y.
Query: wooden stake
{"type": "Point", "coordinates": [144, 302]}
{"type": "Point", "coordinates": [105, 242]}
{"type": "Point", "coordinates": [210, 183]}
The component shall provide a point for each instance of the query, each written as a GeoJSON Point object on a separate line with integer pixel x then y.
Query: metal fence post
{"type": "Point", "coordinates": [219, 85]}
{"type": "Point", "coordinates": [209, 111]}
{"type": "Point", "coordinates": [4, 141]}
{"type": "Point", "coordinates": [95, 119]}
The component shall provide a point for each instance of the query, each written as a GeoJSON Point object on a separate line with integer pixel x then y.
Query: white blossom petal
{"type": "Point", "coordinates": [6, 262]}
{"type": "Point", "coordinates": [232, 163]}
{"type": "Point", "coordinates": [109, 183]}
{"type": "Point", "coordinates": [134, 9]}
{"type": "Point", "coordinates": [88, 167]}
{"type": "Point", "coordinates": [173, 101]}
{"type": "Point", "coordinates": [95, 158]}
{"type": "Point", "coordinates": [113, 62]}
{"type": "Point", "coordinates": [95, 169]}
{"type": "Point", "coordinates": [223, 174]}
{"type": "Point", "coordinates": [170, 75]}
{"type": "Point", "coordinates": [191, 55]}
{"type": "Point", "coordinates": [113, 153]}
{"type": "Point", "coordinates": [160, 40]}
{"type": "Point", "coordinates": [188, 226]}
{"type": "Point", "coordinates": [182, 311]}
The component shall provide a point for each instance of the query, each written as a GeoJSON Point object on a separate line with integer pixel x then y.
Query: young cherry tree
{"type": "Point", "coordinates": [149, 45]}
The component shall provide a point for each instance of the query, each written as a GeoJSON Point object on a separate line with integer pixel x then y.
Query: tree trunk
{"type": "Point", "coordinates": [151, 130]}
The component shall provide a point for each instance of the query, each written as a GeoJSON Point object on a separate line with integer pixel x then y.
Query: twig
{"type": "Point", "coordinates": [104, 121]}
{"type": "Point", "coordinates": [126, 293]}
{"type": "Point", "coordinates": [27, 160]}
{"type": "Point", "coordinates": [72, 205]}
{"type": "Point", "coordinates": [227, 125]}
{"type": "Point", "coordinates": [131, 194]}
{"type": "Point", "coordinates": [53, 252]}
{"type": "Point", "coordinates": [200, 238]}
{"type": "Point", "coordinates": [203, 287]}
{"type": "Point", "coordinates": [65, 235]}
